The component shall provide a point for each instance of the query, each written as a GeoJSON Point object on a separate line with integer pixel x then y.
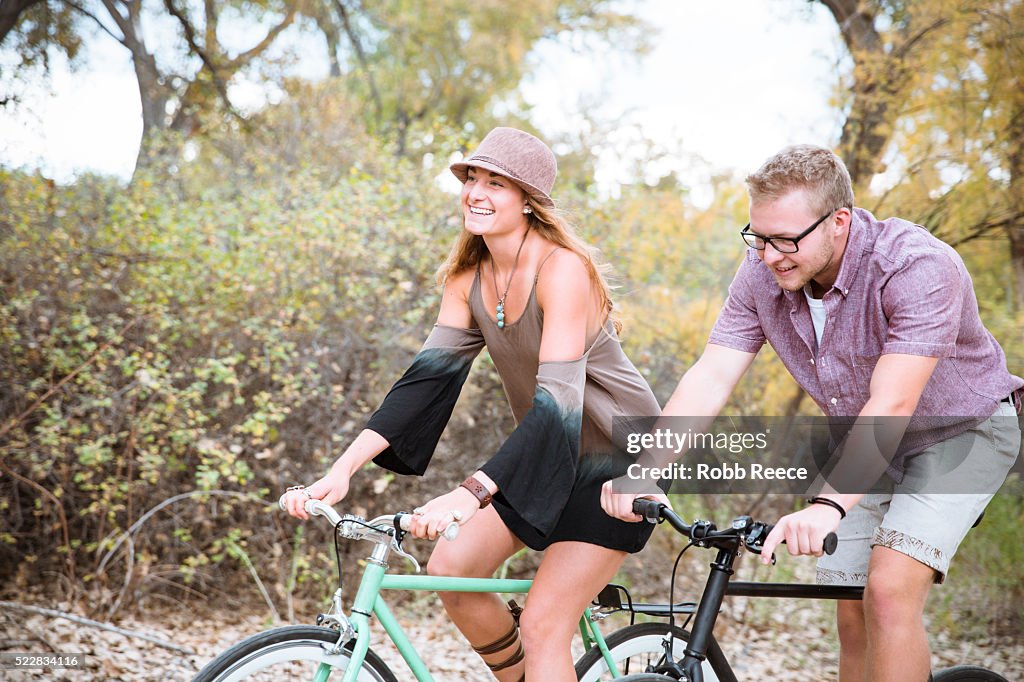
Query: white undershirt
{"type": "Point", "coordinates": [817, 313]}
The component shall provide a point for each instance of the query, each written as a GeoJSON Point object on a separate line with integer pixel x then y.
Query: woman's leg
{"type": "Point", "coordinates": [482, 545]}
{"type": "Point", "coordinates": [570, 576]}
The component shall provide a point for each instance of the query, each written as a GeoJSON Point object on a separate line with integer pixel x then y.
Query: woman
{"type": "Point", "coordinates": [520, 282]}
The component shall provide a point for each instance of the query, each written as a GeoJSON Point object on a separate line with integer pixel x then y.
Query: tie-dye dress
{"type": "Point", "coordinates": [550, 470]}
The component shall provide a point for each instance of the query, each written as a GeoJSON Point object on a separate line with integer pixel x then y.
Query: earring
{"type": "Point", "coordinates": [527, 209]}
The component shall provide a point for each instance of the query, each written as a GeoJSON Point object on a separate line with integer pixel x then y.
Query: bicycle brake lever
{"type": "Point", "coordinates": [396, 545]}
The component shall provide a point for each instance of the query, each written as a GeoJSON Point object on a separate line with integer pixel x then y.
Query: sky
{"type": "Point", "coordinates": [727, 84]}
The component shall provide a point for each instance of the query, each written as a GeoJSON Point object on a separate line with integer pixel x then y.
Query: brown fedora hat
{"type": "Point", "coordinates": [517, 155]}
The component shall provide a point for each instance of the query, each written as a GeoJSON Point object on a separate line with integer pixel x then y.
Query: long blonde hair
{"type": "Point", "coordinates": [556, 227]}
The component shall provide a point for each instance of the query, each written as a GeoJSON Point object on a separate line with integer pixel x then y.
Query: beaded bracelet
{"type": "Point", "coordinates": [829, 503]}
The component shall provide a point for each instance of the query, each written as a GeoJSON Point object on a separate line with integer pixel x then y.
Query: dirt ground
{"type": "Point", "coordinates": [792, 640]}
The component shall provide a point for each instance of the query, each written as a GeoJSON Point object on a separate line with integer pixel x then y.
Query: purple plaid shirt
{"type": "Point", "coordinates": [899, 290]}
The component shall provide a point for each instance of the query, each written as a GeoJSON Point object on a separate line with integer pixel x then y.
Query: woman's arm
{"type": "Point", "coordinates": [439, 370]}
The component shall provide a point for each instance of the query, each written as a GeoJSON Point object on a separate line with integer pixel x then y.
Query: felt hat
{"type": "Point", "coordinates": [518, 156]}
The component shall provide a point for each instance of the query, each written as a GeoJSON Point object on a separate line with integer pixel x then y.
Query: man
{"type": "Point", "coordinates": [873, 319]}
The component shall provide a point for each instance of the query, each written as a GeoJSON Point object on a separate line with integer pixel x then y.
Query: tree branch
{"type": "Point", "coordinates": [361, 56]}
{"type": "Point", "coordinates": [95, 624]}
{"type": "Point", "coordinates": [125, 25]}
{"type": "Point", "coordinates": [247, 56]}
{"type": "Point", "coordinates": [59, 508]}
{"type": "Point", "coordinates": [190, 38]}
{"type": "Point", "coordinates": [78, 8]}
{"type": "Point", "coordinates": [983, 228]}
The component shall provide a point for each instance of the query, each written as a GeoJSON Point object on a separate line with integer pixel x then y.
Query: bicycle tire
{"type": "Point", "coordinates": [292, 652]}
{"type": "Point", "coordinates": [967, 673]}
{"type": "Point", "coordinates": [645, 677]}
{"type": "Point", "coordinates": [636, 649]}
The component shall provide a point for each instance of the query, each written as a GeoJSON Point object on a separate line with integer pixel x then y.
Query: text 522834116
{"type": "Point", "coordinates": [31, 661]}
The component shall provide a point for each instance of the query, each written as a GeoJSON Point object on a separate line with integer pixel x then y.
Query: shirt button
{"type": "Point", "coordinates": [812, 361]}
{"type": "Point", "coordinates": [834, 401]}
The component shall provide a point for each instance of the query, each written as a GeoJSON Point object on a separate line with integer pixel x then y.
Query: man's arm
{"type": "Point", "coordinates": [707, 385]}
{"type": "Point", "coordinates": [701, 394]}
{"type": "Point", "coordinates": [897, 383]}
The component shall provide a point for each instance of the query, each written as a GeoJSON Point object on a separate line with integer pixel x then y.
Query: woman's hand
{"type": "Point", "coordinates": [432, 518]}
{"type": "Point", "coordinates": [620, 505]}
{"type": "Point", "coordinates": [332, 489]}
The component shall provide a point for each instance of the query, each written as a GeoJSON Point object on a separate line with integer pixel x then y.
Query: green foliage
{"type": "Point", "coordinates": [414, 64]}
{"type": "Point", "coordinates": [184, 335]}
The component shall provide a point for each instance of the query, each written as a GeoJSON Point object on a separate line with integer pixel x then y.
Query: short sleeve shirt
{"type": "Point", "coordinates": [899, 290]}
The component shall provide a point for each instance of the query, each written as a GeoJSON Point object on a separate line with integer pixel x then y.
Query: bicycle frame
{"type": "Point", "coordinates": [368, 600]}
{"type": "Point", "coordinates": [702, 642]}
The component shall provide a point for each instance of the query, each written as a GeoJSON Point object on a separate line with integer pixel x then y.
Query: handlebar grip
{"type": "Point", "coordinates": [828, 544]}
{"type": "Point", "coordinates": [647, 508]}
{"type": "Point", "coordinates": [404, 522]}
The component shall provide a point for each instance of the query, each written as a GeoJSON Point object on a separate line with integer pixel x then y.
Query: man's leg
{"type": "Point", "coordinates": [897, 643]}
{"type": "Point", "coordinates": [849, 566]}
{"type": "Point", "coordinates": [853, 641]}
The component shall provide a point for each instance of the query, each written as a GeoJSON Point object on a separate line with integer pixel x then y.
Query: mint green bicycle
{"type": "Point", "coordinates": [338, 646]}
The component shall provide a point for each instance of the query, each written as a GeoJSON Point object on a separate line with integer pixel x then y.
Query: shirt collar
{"type": "Point", "coordinates": [855, 240]}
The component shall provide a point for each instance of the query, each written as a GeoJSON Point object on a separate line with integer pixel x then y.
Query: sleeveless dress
{"type": "Point", "coordinates": [551, 468]}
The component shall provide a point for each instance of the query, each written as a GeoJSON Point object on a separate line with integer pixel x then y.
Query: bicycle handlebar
{"type": "Point", "coordinates": [357, 528]}
{"type": "Point", "coordinates": [704, 533]}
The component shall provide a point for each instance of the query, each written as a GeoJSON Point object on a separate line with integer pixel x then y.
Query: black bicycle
{"type": "Point", "coordinates": [662, 651]}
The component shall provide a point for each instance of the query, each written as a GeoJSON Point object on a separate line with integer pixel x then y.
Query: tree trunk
{"type": "Point", "coordinates": [154, 96]}
{"type": "Point", "coordinates": [10, 13]}
{"type": "Point", "coordinates": [1015, 231]}
{"type": "Point", "coordinates": [879, 78]}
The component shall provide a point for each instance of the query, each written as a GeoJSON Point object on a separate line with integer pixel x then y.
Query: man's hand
{"type": "Point", "coordinates": [804, 531]}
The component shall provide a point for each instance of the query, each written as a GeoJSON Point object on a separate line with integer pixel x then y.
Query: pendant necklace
{"type": "Point", "coordinates": [499, 309]}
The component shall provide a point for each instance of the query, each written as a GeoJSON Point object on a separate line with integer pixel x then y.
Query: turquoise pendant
{"type": "Point", "coordinates": [499, 312]}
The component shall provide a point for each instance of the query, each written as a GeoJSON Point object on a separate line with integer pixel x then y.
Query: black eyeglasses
{"type": "Point", "coordinates": [780, 244]}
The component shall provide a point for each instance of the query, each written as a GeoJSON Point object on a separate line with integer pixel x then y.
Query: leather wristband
{"type": "Point", "coordinates": [479, 490]}
{"type": "Point", "coordinates": [828, 503]}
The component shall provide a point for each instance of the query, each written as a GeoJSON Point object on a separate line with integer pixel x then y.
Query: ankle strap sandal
{"type": "Point", "coordinates": [504, 642]}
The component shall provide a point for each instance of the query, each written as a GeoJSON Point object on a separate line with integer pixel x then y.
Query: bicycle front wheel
{"type": "Point", "coordinates": [967, 673]}
{"type": "Point", "coordinates": [292, 652]}
{"type": "Point", "coordinates": [637, 649]}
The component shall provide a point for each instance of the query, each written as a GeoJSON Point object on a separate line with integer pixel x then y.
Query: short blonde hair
{"type": "Point", "coordinates": [814, 169]}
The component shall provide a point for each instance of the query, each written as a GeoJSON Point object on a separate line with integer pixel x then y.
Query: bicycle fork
{"type": "Point", "coordinates": [362, 606]}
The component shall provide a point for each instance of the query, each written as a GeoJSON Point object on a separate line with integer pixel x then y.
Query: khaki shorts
{"type": "Point", "coordinates": [926, 527]}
